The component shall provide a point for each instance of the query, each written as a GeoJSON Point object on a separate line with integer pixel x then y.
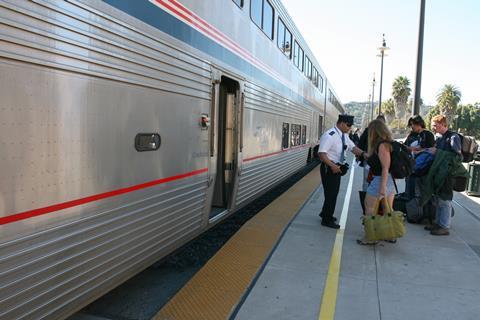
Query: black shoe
{"type": "Point", "coordinates": [431, 227]}
{"type": "Point", "coordinates": [330, 224]}
{"type": "Point", "coordinates": [440, 232]}
{"type": "Point", "coordinates": [333, 218]}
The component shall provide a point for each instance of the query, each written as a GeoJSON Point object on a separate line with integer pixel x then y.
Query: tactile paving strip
{"type": "Point", "coordinates": [215, 290]}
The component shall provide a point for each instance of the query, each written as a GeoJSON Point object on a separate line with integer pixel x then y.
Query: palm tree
{"type": "Point", "coordinates": [447, 100]}
{"type": "Point", "coordinates": [400, 93]}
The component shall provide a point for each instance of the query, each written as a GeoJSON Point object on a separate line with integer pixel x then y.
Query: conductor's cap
{"type": "Point", "coordinates": [348, 119]}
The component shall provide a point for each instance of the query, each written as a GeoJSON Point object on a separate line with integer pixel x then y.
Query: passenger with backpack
{"type": "Point", "coordinates": [417, 142]}
{"type": "Point", "coordinates": [448, 156]}
{"type": "Point", "coordinates": [379, 159]}
{"type": "Point", "coordinates": [420, 138]}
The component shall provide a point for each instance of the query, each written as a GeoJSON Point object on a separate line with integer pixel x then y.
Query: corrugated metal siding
{"type": "Point", "coordinates": [73, 37]}
{"type": "Point", "coordinates": [42, 272]}
{"type": "Point", "coordinates": [259, 99]}
{"type": "Point", "coordinates": [262, 174]}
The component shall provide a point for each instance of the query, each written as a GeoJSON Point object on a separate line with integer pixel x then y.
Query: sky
{"type": "Point", "coordinates": [344, 36]}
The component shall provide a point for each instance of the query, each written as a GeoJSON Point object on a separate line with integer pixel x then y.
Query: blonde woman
{"type": "Point", "coordinates": [382, 185]}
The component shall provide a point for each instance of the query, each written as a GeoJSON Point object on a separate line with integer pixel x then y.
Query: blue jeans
{"type": "Point", "coordinates": [374, 187]}
{"type": "Point", "coordinates": [443, 212]}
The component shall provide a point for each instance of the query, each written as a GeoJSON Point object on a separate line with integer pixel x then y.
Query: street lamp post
{"type": "Point", "coordinates": [418, 77]}
{"type": "Point", "coordinates": [373, 97]}
{"type": "Point", "coordinates": [382, 54]}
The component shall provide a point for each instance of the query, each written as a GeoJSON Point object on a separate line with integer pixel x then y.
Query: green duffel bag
{"type": "Point", "coordinates": [390, 226]}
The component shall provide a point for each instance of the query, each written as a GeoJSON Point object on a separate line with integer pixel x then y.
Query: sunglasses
{"type": "Point", "coordinates": [349, 124]}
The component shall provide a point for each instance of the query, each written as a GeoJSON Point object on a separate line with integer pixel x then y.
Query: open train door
{"type": "Point", "coordinates": [224, 140]}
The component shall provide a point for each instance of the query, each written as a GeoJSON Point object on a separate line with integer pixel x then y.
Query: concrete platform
{"type": "Point", "coordinates": [420, 277]}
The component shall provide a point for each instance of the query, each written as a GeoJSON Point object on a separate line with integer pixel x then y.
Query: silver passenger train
{"type": "Point", "coordinates": [127, 128]}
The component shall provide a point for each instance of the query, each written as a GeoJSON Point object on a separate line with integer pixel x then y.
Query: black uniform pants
{"type": "Point", "coordinates": [331, 187]}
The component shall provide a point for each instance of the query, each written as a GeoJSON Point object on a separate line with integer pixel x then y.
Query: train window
{"type": "Point", "coordinates": [268, 19]}
{"type": "Point", "coordinates": [147, 142]}
{"type": "Point", "coordinates": [315, 76]}
{"type": "Point", "coordinates": [295, 135]}
{"type": "Point", "coordinates": [308, 67]}
{"type": "Point", "coordinates": [239, 3]}
{"type": "Point", "coordinates": [284, 39]}
{"type": "Point", "coordinates": [320, 83]}
{"type": "Point", "coordinates": [304, 134]}
{"type": "Point", "coordinates": [298, 56]}
{"type": "Point", "coordinates": [261, 12]}
{"type": "Point", "coordinates": [256, 9]}
{"type": "Point", "coordinates": [285, 135]}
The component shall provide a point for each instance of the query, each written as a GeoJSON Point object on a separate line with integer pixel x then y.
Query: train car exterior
{"type": "Point", "coordinates": [127, 128]}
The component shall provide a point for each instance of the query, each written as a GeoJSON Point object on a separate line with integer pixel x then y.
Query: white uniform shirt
{"type": "Point", "coordinates": [331, 144]}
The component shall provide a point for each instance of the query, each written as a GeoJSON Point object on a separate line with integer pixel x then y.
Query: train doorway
{"type": "Point", "coordinates": [226, 156]}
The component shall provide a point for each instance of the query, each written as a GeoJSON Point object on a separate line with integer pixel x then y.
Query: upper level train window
{"type": "Point", "coordinates": [285, 135]}
{"type": "Point", "coordinates": [284, 39]}
{"type": "Point", "coordinates": [315, 76]}
{"type": "Point", "coordinates": [308, 68]}
{"type": "Point", "coordinates": [320, 83]}
{"type": "Point", "coordinates": [261, 12]}
{"type": "Point", "coordinates": [239, 3]}
{"type": "Point", "coordinates": [298, 55]}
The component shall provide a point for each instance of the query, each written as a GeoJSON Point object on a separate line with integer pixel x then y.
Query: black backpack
{"type": "Point", "coordinates": [402, 163]}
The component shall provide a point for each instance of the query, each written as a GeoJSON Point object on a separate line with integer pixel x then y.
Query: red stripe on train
{"type": "Point", "coordinates": [69, 204]}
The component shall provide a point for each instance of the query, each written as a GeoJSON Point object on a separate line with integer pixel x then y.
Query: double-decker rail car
{"type": "Point", "coordinates": [127, 128]}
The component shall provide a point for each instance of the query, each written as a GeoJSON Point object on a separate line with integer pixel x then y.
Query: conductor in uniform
{"type": "Point", "coordinates": [333, 145]}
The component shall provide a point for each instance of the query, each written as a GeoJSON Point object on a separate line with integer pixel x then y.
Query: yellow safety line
{"type": "Point", "coordinates": [329, 299]}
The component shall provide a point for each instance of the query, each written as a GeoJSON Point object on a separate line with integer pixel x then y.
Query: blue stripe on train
{"type": "Point", "coordinates": [154, 16]}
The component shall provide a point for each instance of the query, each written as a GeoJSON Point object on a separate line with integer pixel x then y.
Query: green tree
{"type": "Point", "coordinates": [469, 119]}
{"type": "Point", "coordinates": [400, 93]}
{"type": "Point", "coordinates": [388, 109]}
{"type": "Point", "coordinates": [430, 114]}
{"type": "Point", "coordinates": [448, 99]}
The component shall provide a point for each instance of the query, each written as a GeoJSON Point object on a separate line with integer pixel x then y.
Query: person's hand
{"type": "Point", "coordinates": [336, 169]}
{"type": "Point", "coordinates": [432, 150]}
{"type": "Point", "coordinates": [382, 192]}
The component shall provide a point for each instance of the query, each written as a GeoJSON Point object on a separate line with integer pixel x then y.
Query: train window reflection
{"type": "Point", "coordinates": [295, 135]}
{"type": "Point", "coordinates": [285, 135]}
{"type": "Point", "coordinates": [284, 39]}
{"type": "Point", "coordinates": [304, 134]}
